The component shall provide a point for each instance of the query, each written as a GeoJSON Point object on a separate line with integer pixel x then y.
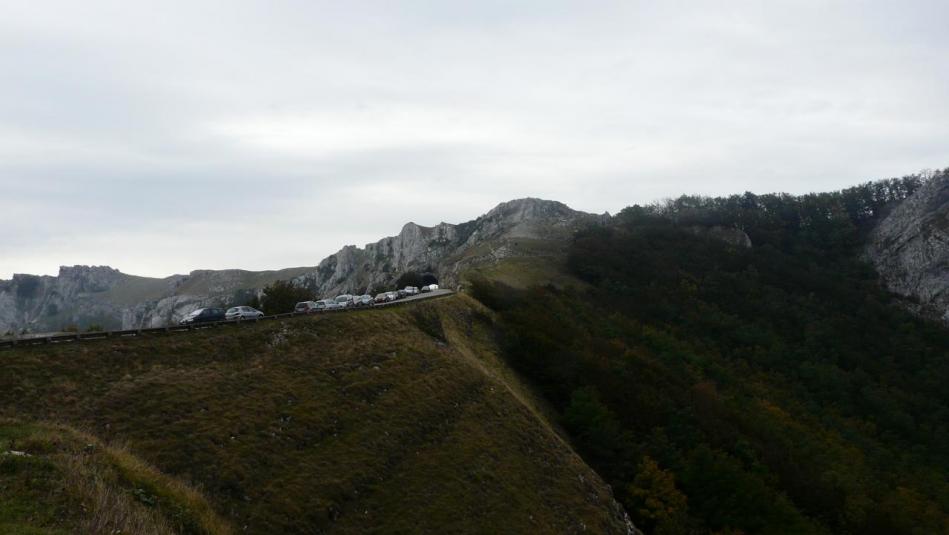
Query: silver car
{"type": "Point", "coordinates": [345, 300]}
{"type": "Point", "coordinates": [329, 304]}
{"type": "Point", "coordinates": [242, 313]}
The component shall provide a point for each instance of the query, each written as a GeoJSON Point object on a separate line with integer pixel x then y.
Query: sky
{"type": "Point", "coordinates": [162, 137]}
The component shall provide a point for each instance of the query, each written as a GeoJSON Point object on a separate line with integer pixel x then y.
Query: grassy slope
{"type": "Point", "coordinates": [55, 479]}
{"type": "Point", "coordinates": [132, 289]}
{"type": "Point", "coordinates": [387, 421]}
{"type": "Point", "coordinates": [531, 261]}
{"type": "Point", "coordinates": [202, 283]}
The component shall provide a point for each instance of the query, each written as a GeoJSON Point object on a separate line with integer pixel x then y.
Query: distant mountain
{"type": "Point", "coordinates": [100, 295]}
{"type": "Point", "coordinates": [909, 247]}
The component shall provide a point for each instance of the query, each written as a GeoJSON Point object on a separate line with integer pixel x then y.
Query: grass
{"type": "Point", "coordinates": [524, 272]}
{"type": "Point", "coordinates": [132, 290]}
{"type": "Point", "coordinates": [400, 420]}
{"type": "Point", "coordinates": [210, 282]}
{"type": "Point", "coordinates": [61, 480]}
{"type": "Point", "coordinates": [519, 262]}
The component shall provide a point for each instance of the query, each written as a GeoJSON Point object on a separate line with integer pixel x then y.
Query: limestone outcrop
{"type": "Point", "coordinates": [85, 295]}
{"type": "Point", "coordinates": [910, 249]}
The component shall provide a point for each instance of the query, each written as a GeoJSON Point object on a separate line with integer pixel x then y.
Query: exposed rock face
{"type": "Point", "coordinates": [910, 248]}
{"type": "Point", "coordinates": [446, 249]}
{"type": "Point", "coordinates": [28, 297]}
{"type": "Point", "coordinates": [83, 295]}
{"type": "Point", "coordinates": [730, 235]}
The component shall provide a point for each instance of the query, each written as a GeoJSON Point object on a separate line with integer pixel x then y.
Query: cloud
{"type": "Point", "coordinates": [180, 135]}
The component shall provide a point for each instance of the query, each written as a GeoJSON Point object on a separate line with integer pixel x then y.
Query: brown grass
{"type": "Point", "coordinates": [400, 420]}
{"type": "Point", "coordinates": [107, 509]}
{"type": "Point", "coordinates": [102, 489]}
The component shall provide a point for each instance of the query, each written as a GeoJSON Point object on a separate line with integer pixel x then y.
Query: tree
{"type": "Point", "coordinates": [254, 302]}
{"type": "Point", "coordinates": [655, 501]}
{"type": "Point", "coordinates": [281, 296]}
{"type": "Point", "coordinates": [595, 427]}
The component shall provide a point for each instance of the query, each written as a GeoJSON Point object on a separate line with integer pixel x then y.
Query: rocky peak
{"type": "Point", "coordinates": [519, 210]}
{"type": "Point", "coordinates": [439, 248]}
{"type": "Point", "coordinates": [410, 229]}
{"type": "Point", "coordinates": [75, 279]}
{"type": "Point", "coordinates": [910, 248]}
{"type": "Point", "coordinates": [528, 218]}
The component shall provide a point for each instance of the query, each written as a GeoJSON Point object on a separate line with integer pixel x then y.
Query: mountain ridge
{"type": "Point", "coordinates": [104, 296]}
{"type": "Point", "coordinates": [908, 246]}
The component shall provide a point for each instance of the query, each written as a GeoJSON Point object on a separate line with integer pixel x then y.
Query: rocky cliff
{"type": "Point", "coordinates": [26, 298]}
{"type": "Point", "coordinates": [445, 250]}
{"type": "Point", "coordinates": [99, 295]}
{"type": "Point", "coordinates": [910, 248]}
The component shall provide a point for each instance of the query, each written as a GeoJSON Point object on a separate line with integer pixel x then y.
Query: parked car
{"type": "Point", "coordinates": [328, 304]}
{"type": "Point", "coordinates": [345, 300]}
{"type": "Point", "coordinates": [401, 293]}
{"type": "Point", "coordinates": [306, 307]}
{"type": "Point", "coordinates": [363, 300]}
{"type": "Point", "coordinates": [203, 315]}
{"type": "Point", "coordinates": [382, 298]}
{"type": "Point", "coordinates": [411, 290]}
{"type": "Point", "coordinates": [242, 312]}
{"type": "Point", "coordinates": [392, 296]}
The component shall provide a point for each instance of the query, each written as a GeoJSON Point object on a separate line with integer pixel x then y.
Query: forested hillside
{"type": "Point", "coordinates": [719, 388]}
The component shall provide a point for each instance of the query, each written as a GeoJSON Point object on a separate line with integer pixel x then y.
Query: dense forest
{"type": "Point", "coordinates": [725, 389]}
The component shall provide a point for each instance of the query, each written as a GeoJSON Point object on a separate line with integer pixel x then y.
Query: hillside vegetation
{"type": "Point", "coordinates": [727, 365]}
{"type": "Point", "coordinates": [55, 479]}
{"type": "Point", "coordinates": [385, 421]}
{"type": "Point", "coordinates": [719, 388]}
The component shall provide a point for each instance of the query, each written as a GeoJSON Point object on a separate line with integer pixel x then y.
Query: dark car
{"type": "Point", "coordinates": [203, 315]}
{"type": "Point", "coordinates": [307, 307]}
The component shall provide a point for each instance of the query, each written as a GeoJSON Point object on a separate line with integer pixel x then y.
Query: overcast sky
{"type": "Point", "coordinates": [161, 137]}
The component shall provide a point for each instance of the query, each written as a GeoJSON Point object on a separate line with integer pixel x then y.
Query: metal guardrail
{"type": "Point", "coordinates": [129, 333]}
